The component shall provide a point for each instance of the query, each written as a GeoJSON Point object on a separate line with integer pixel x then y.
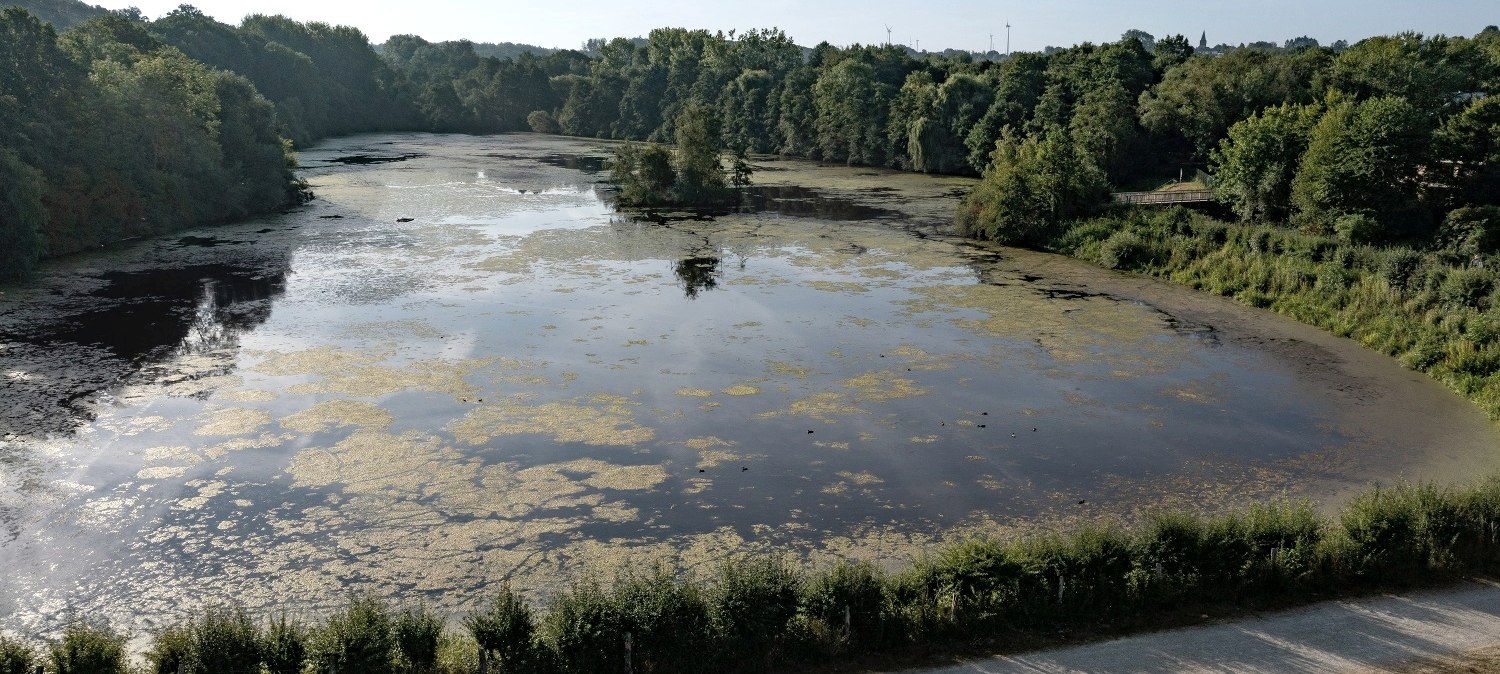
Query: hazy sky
{"type": "Point", "coordinates": [963, 24]}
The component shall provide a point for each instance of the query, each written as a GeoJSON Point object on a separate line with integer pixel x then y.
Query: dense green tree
{"type": "Point", "coordinates": [1468, 149]}
{"type": "Point", "coordinates": [1030, 188]}
{"type": "Point", "coordinates": [1200, 99]}
{"type": "Point", "coordinates": [1022, 80]}
{"type": "Point", "coordinates": [1254, 166]}
{"type": "Point", "coordinates": [1363, 158]}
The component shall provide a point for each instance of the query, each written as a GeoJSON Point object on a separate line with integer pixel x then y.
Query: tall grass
{"type": "Point", "coordinates": [1428, 308]}
{"type": "Point", "coordinates": [763, 614]}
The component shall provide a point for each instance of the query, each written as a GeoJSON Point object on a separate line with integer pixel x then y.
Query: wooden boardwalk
{"type": "Point", "coordinates": [1153, 198]}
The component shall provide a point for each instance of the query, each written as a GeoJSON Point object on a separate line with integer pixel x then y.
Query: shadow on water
{"type": "Point", "coordinates": [697, 274]}
{"type": "Point", "coordinates": [786, 200]}
{"type": "Point", "coordinates": [57, 367]}
{"type": "Point", "coordinates": [366, 159]}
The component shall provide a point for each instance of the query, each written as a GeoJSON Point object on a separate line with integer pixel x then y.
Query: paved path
{"type": "Point", "coordinates": [1334, 637]}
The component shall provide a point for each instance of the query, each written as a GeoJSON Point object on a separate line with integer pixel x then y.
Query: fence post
{"type": "Point", "coordinates": [1062, 586]}
{"type": "Point", "coordinates": [629, 646]}
{"type": "Point", "coordinates": [484, 661]}
{"type": "Point", "coordinates": [846, 621]}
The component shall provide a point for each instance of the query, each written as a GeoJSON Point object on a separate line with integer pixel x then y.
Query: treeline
{"type": "Point", "coordinates": [763, 614]}
{"type": "Point", "coordinates": [106, 134]}
{"type": "Point", "coordinates": [1379, 143]}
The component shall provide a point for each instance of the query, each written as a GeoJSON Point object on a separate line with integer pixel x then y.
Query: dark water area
{"type": "Point", "coordinates": [459, 364]}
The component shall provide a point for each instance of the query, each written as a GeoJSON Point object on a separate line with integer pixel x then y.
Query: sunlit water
{"type": "Point", "coordinates": [520, 383]}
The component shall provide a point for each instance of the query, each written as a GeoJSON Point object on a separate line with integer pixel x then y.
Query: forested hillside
{"type": "Point", "coordinates": [108, 134]}
{"type": "Point", "coordinates": [1398, 131]}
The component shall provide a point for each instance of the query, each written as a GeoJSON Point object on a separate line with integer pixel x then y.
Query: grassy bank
{"type": "Point", "coordinates": [760, 614]}
{"type": "Point", "coordinates": [1431, 309]}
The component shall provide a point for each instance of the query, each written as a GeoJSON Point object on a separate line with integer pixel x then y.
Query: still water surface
{"type": "Point", "coordinates": [520, 383]}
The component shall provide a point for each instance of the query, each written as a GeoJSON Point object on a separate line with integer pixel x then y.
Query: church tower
{"type": "Point", "coordinates": [1203, 40]}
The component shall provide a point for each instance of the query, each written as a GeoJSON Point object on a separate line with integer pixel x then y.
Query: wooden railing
{"type": "Point", "coordinates": [1177, 197]}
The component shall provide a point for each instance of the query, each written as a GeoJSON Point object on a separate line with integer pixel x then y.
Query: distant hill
{"type": "Point", "coordinates": [509, 50]}
{"type": "Point", "coordinates": [60, 13]}
{"type": "Point", "coordinates": [501, 50]}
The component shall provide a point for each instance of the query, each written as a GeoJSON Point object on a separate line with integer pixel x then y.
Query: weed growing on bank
{"type": "Point", "coordinates": [762, 614]}
{"type": "Point", "coordinates": [1435, 310]}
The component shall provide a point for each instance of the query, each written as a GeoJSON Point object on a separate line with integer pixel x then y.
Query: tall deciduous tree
{"type": "Point", "coordinates": [1363, 158]}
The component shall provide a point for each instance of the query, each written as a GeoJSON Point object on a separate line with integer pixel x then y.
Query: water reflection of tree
{"type": "Point", "coordinates": [697, 274]}
{"type": "Point", "coordinates": [63, 356]}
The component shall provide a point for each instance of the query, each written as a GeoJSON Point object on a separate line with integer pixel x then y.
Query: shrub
{"type": "Point", "coordinates": [667, 620]}
{"type": "Point", "coordinates": [542, 121]}
{"type": "Point", "coordinates": [1123, 249]}
{"type": "Point", "coordinates": [171, 649]}
{"type": "Point", "coordinates": [225, 641]}
{"type": "Point", "coordinates": [1357, 228]}
{"type": "Point", "coordinates": [416, 632]}
{"type": "Point", "coordinates": [16, 656]}
{"type": "Point", "coordinates": [1398, 267]}
{"type": "Point", "coordinates": [751, 605]}
{"type": "Point", "coordinates": [284, 645]}
{"type": "Point", "coordinates": [504, 629]}
{"type": "Point", "coordinates": [850, 598]}
{"type": "Point", "coordinates": [356, 639]}
{"type": "Point", "coordinates": [1470, 231]}
{"type": "Point", "coordinates": [88, 648]}
{"type": "Point", "coordinates": [583, 630]}
{"type": "Point", "coordinates": [1466, 287]}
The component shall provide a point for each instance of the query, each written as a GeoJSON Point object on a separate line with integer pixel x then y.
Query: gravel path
{"type": "Point", "coordinates": [1371, 634]}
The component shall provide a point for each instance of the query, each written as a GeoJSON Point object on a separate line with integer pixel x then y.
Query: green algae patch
{"type": "Point", "coordinates": [609, 420]}
{"type": "Point", "coordinates": [234, 421]}
{"type": "Point", "coordinates": [337, 413]}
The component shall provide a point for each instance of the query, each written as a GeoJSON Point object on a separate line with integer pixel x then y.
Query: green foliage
{"type": "Point", "coordinates": [284, 645]}
{"type": "Point", "coordinates": [1357, 228]}
{"type": "Point", "coordinates": [22, 216]}
{"type": "Point", "coordinates": [751, 606]}
{"type": "Point", "coordinates": [1470, 231]}
{"type": "Point", "coordinates": [504, 628]}
{"type": "Point", "coordinates": [1030, 189]}
{"type": "Point", "coordinates": [699, 167]}
{"type": "Point", "coordinates": [849, 598]}
{"type": "Point", "coordinates": [16, 656]}
{"type": "Point", "coordinates": [358, 638]}
{"type": "Point", "coordinates": [224, 640]}
{"type": "Point", "coordinates": [1256, 162]}
{"type": "Point", "coordinates": [416, 631]}
{"type": "Point", "coordinates": [542, 121]}
{"type": "Point", "coordinates": [1362, 157]}
{"type": "Point", "coordinates": [88, 648]}
{"type": "Point", "coordinates": [1467, 288]}
{"type": "Point", "coordinates": [644, 175]}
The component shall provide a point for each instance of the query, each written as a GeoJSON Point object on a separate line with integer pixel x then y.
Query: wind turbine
{"type": "Point", "coordinates": [1007, 37]}
{"type": "Point", "coordinates": [887, 35]}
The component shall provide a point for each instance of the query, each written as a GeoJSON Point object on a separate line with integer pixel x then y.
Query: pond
{"type": "Point", "coordinates": [459, 364]}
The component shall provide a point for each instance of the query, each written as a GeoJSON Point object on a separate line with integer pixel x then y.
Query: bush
{"type": "Point", "coordinates": [416, 632]}
{"type": "Point", "coordinates": [1466, 288]}
{"type": "Point", "coordinates": [542, 121]}
{"type": "Point", "coordinates": [667, 621]}
{"type": "Point", "coordinates": [1358, 228]}
{"type": "Point", "coordinates": [225, 641]}
{"type": "Point", "coordinates": [284, 645]}
{"type": "Point", "coordinates": [750, 607]}
{"type": "Point", "coordinates": [1398, 267]}
{"type": "Point", "coordinates": [504, 629]}
{"type": "Point", "coordinates": [88, 648]}
{"type": "Point", "coordinates": [1123, 249]}
{"type": "Point", "coordinates": [16, 656]}
{"type": "Point", "coordinates": [850, 598]}
{"type": "Point", "coordinates": [583, 630]}
{"type": "Point", "coordinates": [1470, 231]}
{"type": "Point", "coordinates": [356, 639]}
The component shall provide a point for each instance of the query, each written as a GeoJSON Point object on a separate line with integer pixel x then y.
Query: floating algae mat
{"type": "Point", "coordinates": [520, 383]}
